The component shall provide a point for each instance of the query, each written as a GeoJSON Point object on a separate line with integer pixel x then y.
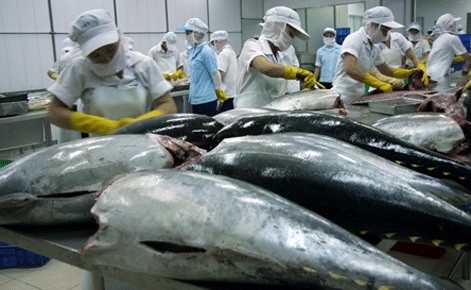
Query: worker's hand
{"type": "Point", "coordinates": [402, 73]}
{"type": "Point", "coordinates": [466, 87]}
{"type": "Point", "coordinates": [398, 83]}
{"type": "Point", "coordinates": [458, 59]}
{"type": "Point", "coordinates": [221, 94]}
{"type": "Point", "coordinates": [307, 78]}
{"type": "Point", "coordinates": [177, 75]}
{"type": "Point", "coordinates": [421, 66]}
{"type": "Point", "coordinates": [96, 125]}
{"type": "Point", "coordinates": [374, 82]}
{"type": "Point", "coordinates": [167, 76]}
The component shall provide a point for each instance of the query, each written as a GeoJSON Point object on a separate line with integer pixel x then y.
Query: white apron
{"type": "Point", "coordinates": [116, 103]}
{"type": "Point", "coordinates": [393, 57]}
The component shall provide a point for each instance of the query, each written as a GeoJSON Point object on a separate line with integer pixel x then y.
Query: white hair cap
{"type": "Point", "coordinates": [219, 35]}
{"type": "Point", "coordinates": [170, 38]}
{"type": "Point", "coordinates": [195, 24]}
{"type": "Point", "coordinates": [94, 29]}
{"type": "Point", "coordinates": [329, 29]}
{"type": "Point", "coordinates": [459, 27]}
{"type": "Point", "coordinates": [414, 25]}
{"type": "Point", "coordinates": [446, 21]}
{"type": "Point", "coordinates": [286, 15]}
{"type": "Point", "coordinates": [381, 15]}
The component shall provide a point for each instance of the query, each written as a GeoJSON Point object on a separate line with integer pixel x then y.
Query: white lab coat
{"type": "Point", "coordinates": [167, 61]}
{"type": "Point", "coordinates": [398, 47]}
{"type": "Point", "coordinates": [227, 62]}
{"type": "Point", "coordinates": [112, 97]}
{"type": "Point", "coordinates": [254, 89]}
{"type": "Point", "coordinates": [367, 55]}
{"type": "Point", "coordinates": [444, 49]}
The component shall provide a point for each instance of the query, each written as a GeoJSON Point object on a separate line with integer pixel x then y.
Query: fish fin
{"type": "Point", "coordinates": [16, 199]}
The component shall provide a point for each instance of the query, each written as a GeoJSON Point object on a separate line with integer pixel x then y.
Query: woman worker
{"type": "Point", "coordinates": [116, 85]}
{"type": "Point", "coordinates": [262, 74]}
{"type": "Point", "coordinates": [205, 80]}
{"type": "Point", "coordinates": [420, 45]}
{"type": "Point", "coordinates": [359, 55]}
{"type": "Point", "coordinates": [445, 48]}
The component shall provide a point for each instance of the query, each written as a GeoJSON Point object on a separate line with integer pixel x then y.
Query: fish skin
{"type": "Point", "coordinates": [355, 133]}
{"type": "Point", "coordinates": [194, 128]}
{"type": "Point", "coordinates": [230, 116]}
{"type": "Point", "coordinates": [307, 100]}
{"type": "Point", "coordinates": [58, 184]}
{"type": "Point", "coordinates": [381, 96]}
{"type": "Point", "coordinates": [431, 131]}
{"type": "Point", "coordinates": [202, 227]}
{"type": "Point", "coordinates": [353, 188]}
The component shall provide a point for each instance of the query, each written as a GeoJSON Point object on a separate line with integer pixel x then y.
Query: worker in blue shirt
{"type": "Point", "coordinates": [205, 80]}
{"type": "Point", "coordinates": [326, 58]}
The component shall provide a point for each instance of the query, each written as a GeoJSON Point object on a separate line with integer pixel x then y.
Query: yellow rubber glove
{"type": "Point", "coordinates": [457, 59]}
{"type": "Point", "coordinates": [153, 113]}
{"type": "Point", "coordinates": [421, 66]}
{"type": "Point", "coordinates": [402, 73]}
{"type": "Point", "coordinates": [221, 95]}
{"type": "Point", "coordinates": [374, 82]}
{"type": "Point", "coordinates": [466, 87]}
{"type": "Point", "coordinates": [307, 78]}
{"type": "Point", "coordinates": [167, 76]}
{"type": "Point", "coordinates": [177, 75]}
{"type": "Point", "coordinates": [96, 125]}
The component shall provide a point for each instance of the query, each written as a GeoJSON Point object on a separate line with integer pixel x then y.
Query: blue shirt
{"type": "Point", "coordinates": [202, 65]}
{"type": "Point", "coordinates": [326, 59]}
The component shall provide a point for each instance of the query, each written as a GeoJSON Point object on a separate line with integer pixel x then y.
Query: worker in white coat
{"type": "Point", "coordinates": [227, 66]}
{"type": "Point", "coordinates": [360, 54]}
{"type": "Point", "coordinates": [420, 45]}
{"type": "Point", "coordinates": [166, 55]}
{"type": "Point", "coordinates": [116, 85]}
{"type": "Point", "coordinates": [445, 48]}
{"type": "Point", "coordinates": [69, 52]}
{"type": "Point", "coordinates": [262, 75]}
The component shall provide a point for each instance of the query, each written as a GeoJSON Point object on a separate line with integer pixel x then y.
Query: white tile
{"type": "Point", "coordinates": [54, 275]}
{"type": "Point", "coordinates": [4, 279]}
{"type": "Point", "coordinates": [15, 284]}
{"type": "Point", "coordinates": [16, 272]}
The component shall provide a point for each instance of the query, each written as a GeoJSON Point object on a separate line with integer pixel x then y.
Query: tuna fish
{"type": "Point", "coordinates": [230, 116]}
{"type": "Point", "coordinates": [199, 227]}
{"type": "Point", "coordinates": [380, 96]}
{"type": "Point", "coordinates": [353, 188]}
{"type": "Point", "coordinates": [58, 184]}
{"type": "Point", "coordinates": [194, 128]}
{"type": "Point", "coordinates": [307, 100]}
{"type": "Point", "coordinates": [455, 106]}
{"type": "Point", "coordinates": [353, 132]}
{"type": "Point", "coordinates": [431, 131]}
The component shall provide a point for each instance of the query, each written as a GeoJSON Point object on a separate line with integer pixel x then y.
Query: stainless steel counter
{"type": "Point", "coordinates": [29, 129]}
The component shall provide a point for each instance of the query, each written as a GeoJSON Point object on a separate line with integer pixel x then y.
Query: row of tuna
{"type": "Point", "coordinates": [279, 199]}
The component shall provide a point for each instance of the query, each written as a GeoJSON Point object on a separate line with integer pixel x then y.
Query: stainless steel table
{"type": "Point", "coordinates": [29, 129]}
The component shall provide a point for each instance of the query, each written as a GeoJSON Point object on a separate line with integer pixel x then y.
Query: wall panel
{"type": "Point", "coordinates": [179, 11]}
{"type": "Point", "coordinates": [141, 16]}
{"type": "Point", "coordinates": [224, 15]}
{"type": "Point", "coordinates": [64, 12]}
{"type": "Point", "coordinates": [24, 16]}
{"type": "Point", "coordinates": [25, 61]}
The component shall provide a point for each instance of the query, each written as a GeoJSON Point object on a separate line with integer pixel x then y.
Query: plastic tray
{"type": "Point", "coordinates": [14, 257]}
{"type": "Point", "coordinates": [395, 107]}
